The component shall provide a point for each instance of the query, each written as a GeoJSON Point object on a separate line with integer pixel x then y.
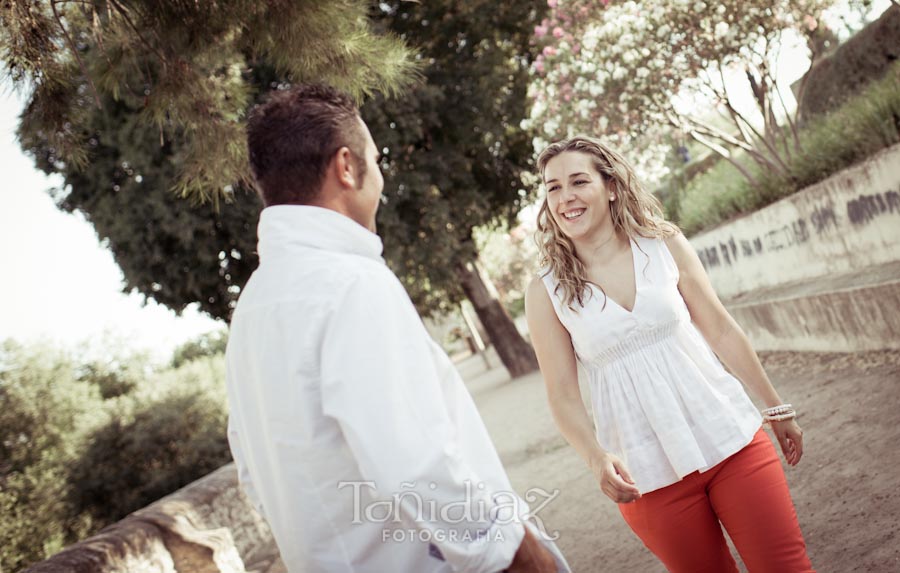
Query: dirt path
{"type": "Point", "coordinates": [844, 488]}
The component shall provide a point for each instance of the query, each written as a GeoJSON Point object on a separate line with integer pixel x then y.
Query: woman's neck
{"type": "Point", "coordinates": [598, 247]}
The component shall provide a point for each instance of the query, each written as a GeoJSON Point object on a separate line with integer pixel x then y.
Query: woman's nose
{"type": "Point", "coordinates": [566, 193]}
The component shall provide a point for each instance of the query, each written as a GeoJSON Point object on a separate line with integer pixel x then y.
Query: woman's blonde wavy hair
{"type": "Point", "coordinates": [634, 211]}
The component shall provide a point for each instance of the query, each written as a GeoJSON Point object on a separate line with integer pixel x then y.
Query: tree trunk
{"type": "Point", "coordinates": [515, 353]}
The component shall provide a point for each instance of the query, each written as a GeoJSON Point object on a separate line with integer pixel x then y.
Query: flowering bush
{"type": "Point", "coordinates": [630, 70]}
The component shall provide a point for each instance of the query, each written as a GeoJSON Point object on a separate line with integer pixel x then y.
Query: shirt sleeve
{"type": "Point", "coordinates": [380, 383]}
{"type": "Point", "coordinates": [246, 484]}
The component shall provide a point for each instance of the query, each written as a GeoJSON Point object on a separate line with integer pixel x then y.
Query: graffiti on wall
{"type": "Point", "coordinates": [861, 210]}
{"type": "Point", "coordinates": [866, 207]}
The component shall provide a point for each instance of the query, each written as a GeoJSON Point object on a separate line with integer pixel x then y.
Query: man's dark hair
{"type": "Point", "coordinates": [293, 135]}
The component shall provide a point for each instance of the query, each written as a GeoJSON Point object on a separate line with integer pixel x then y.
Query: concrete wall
{"type": "Point", "coordinates": [819, 270]}
{"type": "Point", "coordinates": [208, 526]}
{"type": "Point", "coordinates": [849, 222]}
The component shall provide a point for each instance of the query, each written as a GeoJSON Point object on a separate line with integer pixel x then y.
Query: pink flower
{"type": "Point", "coordinates": [558, 32]}
{"type": "Point", "coordinates": [567, 97]}
{"type": "Point", "coordinates": [552, 3]}
{"type": "Point", "coordinates": [539, 66]}
{"type": "Point", "coordinates": [811, 23]}
{"type": "Point", "coordinates": [549, 51]}
{"type": "Point", "coordinates": [576, 48]}
{"type": "Point", "coordinates": [540, 31]}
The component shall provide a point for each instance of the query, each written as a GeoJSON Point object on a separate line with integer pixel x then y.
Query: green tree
{"type": "Point", "coordinates": [72, 460]}
{"type": "Point", "coordinates": [45, 415]}
{"type": "Point", "coordinates": [454, 160]}
{"type": "Point", "coordinates": [166, 434]}
{"type": "Point", "coordinates": [454, 154]}
{"type": "Point", "coordinates": [184, 67]}
{"type": "Point", "coordinates": [172, 250]}
{"type": "Point", "coordinates": [208, 344]}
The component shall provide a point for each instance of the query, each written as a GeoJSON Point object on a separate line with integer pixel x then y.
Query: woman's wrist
{"type": "Point", "coordinates": [779, 413]}
{"type": "Point", "coordinates": [596, 459]}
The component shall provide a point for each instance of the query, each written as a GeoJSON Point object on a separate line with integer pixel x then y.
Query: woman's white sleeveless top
{"type": "Point", "coordinates": [661, 400]}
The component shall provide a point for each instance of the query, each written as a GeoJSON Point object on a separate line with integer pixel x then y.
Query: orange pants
{"type": "Point", "coordinates": [748, 493]}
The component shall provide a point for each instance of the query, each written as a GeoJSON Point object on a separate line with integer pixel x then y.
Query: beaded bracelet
{"type": "Point", "coordinates": [776, 410]}
{"type": "Point", "coordinates": [779, 413]}
{"type": "Point", "coordinates": [779, 418]}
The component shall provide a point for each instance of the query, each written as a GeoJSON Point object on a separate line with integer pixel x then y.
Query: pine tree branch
{"type": "Point", "coordinates": [77, 56]}
{"type": "Point", "coordinates": [124, 13]}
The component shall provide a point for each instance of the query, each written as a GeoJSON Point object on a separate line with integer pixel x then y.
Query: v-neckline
{"type": "Point", "coordinates": [632, 246]}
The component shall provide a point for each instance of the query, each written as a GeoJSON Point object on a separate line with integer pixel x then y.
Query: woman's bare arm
{"type": "Point", "coordinates": [728, 340]}
{"type": "Point", "coordinates": [556, 357]}
{"type": "Point", "coordinates": [714, 322]}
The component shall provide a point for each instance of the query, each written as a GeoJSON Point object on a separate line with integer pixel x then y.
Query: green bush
{"type": "Point", "coordinates": [72, 461]}
{"type": "Point", "coordinates": [208, 344]}
{"type": "Point", "coordinates": [45, 416]}
{"type": "Point", "coordinates": [862, 126]}
{"type": "Point", "coordinates": [150, 449]}
{"type": "Point", "coordinates": [159, 439]}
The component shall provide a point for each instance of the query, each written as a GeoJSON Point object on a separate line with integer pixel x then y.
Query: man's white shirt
{"type": "Point", "coordinates": [351, 430]}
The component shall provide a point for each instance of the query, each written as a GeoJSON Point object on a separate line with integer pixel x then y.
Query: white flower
{"type": "Point", "coordinates": [551, 127]}
{"type": "Point", "coordinates": [721, 29]}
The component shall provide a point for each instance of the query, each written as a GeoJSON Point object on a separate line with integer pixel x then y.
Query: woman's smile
{"type": "Point", "coordinates": [573, 214]}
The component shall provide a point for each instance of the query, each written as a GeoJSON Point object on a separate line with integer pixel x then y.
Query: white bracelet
{"type": "Point", "coordinates": [780, 409]}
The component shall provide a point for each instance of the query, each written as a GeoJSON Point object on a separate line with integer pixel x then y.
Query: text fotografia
{"type": "Point", "coordinates": [440, 535]}
{"type": "Point", "coordinates": [471, 518]}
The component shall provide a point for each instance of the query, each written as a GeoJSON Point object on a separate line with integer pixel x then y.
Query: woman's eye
{"type": "Point", "coordinates": [554, 188]}
{"type": "Point", "coordinates": [580, 182]}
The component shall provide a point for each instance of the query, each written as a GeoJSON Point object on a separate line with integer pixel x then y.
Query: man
{"type": "Point", "coordinates": [353, 434]}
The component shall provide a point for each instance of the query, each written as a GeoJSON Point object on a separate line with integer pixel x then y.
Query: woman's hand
{"type": "Point", "coordinates": [790, 436]}
{"type": "Point", "coordinates": [614, 479]}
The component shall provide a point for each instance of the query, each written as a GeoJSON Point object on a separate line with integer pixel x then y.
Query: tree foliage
{"type": "Point", "coordinates": [169, 249]}
{"type": "Point", "coordinates": [184, 67]}
{"type": "Point", "coordinates": [46, 413]}
{"type": "Point", "coordinates": [72, 460]}
{"type": "Point", "coordinates": [454, 160]}
{"type": "Point", "coordinates": [630, 68]}
{"type": "Point", "coordinates": [454, 151]}
{"type": "Point", "coordinates": [165, 435]}
{"type": "Point", "coordinates": [209, 344]}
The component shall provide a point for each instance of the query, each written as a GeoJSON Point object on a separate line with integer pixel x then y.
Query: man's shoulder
{"type": "Point", "coordinates": [367, 277]}
{"type": "Point", "coordinates": [354, 270]}
{"type": "Point", "coordinates": [316, 281]}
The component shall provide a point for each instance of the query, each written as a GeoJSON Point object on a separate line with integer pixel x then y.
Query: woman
{"type": "Point", "coordinates": [678, 444]}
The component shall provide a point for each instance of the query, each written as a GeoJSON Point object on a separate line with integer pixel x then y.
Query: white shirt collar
{"type": "Point", "coordinates": [283, 227]}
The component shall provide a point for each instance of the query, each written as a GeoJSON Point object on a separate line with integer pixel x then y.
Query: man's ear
{"type": "Point", "coordinates": [344, 168]}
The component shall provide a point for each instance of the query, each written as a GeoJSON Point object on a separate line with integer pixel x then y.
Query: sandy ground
{"type": "Point", "coordinates": [844, 488]}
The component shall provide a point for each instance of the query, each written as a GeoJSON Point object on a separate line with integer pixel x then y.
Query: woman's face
{"type": "Point", "coordinates": [577, 197]}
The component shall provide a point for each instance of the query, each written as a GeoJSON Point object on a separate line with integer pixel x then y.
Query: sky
{"type": "Point", "coordinates": [57, 283]}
